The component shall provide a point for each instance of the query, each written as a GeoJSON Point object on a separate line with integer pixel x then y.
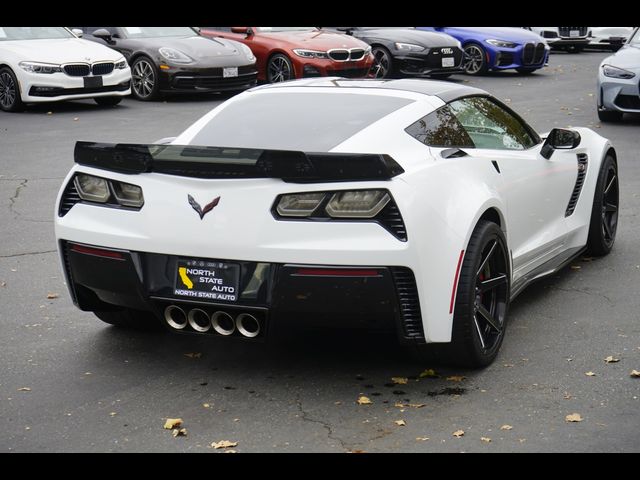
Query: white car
{"type": "Point", "coordinates": [572, 39]}
{"type": "Point", "coordinates": [610, 38]}
{"type": "Point", "coordinates": [45, 64]}
{"type": "Point", "coordinates": [418, 206]}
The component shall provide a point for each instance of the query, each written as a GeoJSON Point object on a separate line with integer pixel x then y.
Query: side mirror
{"type": "Point", "coordinates": [559, 139]}
{"type": "Point", "coordinates": [244, 30]}
{"type": "Point", "coordinates": [103, 34]}
{"type": "Point", "coordinates": [77, 32]}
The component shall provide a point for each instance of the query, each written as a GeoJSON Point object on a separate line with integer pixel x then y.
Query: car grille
{"type": "Point", "coordinates": [198, 82]}
{"type": "Point", "coordinates": [434, 58]}
{"type": "Point", "coordinates": [346, 55]}
{"type": "Point", "coordinates": [533, 54]}
{"type": "Point", "coordinates": [575, 195]}
{"type": "Point", "coordinates": [102, 68]}
{"type": "Point", "coordinates": [77, 70]}
{"type": "Point", "coordinates": [566, 31]}
{"type": "Point", "coordinates": [504, 59]}
{"type": "Point", "coordinates": [629, 102]}
{"type": "Point", "coordinates": [348, 72]}
{"type": "Point", "coordinates": [409, 303]}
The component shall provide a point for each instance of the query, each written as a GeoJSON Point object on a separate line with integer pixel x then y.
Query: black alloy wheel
{"type": "Point", "coordinates": [382, 66]}
{"type": "Point", "coordinates": [475, 62]}
{"type": "Point", "coordinates": [604, 212]}
{"type": "Point", "coordinates": [144, 79]}
{"type": "Point", "coordinates": [10, 100]}
{"type": "Point", "coordinates": [279, 69]}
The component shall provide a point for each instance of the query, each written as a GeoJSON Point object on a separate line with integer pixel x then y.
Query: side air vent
{"type": "Point", "coordinates": [409, 303]}
{"type": "Point", "coordinates": [69, 198]}
{"type": "Point", "coordinates": [391, 219]}
{"type": "Point", "coordinates": [582, 173]}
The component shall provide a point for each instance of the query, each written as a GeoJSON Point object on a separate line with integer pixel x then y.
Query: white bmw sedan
{"type": "Point", "coordinates": [46, 64]}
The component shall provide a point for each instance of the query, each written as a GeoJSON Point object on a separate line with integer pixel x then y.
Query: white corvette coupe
{"type": "Point", "coordinates": [45, 64]}
{"type": "Point", "coordinates": [420, 207]}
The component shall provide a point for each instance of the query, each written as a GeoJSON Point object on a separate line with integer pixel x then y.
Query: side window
{"type": "Point", "coordinates": [441, 129]}
{"type": "Point", "coordinates": [491, 126]}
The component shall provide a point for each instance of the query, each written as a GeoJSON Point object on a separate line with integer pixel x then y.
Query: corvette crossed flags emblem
{"type": "Point", "coordinates": [207, 208]}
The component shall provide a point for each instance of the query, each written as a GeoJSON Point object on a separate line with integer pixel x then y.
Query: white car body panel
{"type": "Point", "coordinates": [59, 52]}
{"type": "Point", "coordinates": [441, 201]}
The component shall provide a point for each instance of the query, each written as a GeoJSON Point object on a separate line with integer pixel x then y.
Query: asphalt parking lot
{"type": "Point", "coordinates": [70, 383]}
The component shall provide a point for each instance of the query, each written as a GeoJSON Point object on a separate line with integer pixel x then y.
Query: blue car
{"type": "Point", "coordinates": [498, 48]}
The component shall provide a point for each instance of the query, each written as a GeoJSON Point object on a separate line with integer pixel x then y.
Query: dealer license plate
{"type": "Point", "coordinates": [228, 72]}
{"type": "Point", "coordinates": [203, 280]}
{"type": "Point", "coordinates": [448, 62]}
{"type": "Point", "coordinates": [92, 82]}
{"type": "Point", "coordinates": [574, 33]}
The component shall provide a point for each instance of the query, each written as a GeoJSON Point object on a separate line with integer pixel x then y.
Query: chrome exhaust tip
{"type": "Point", "coordinates": [223, 323]}
{"type": "Point", "coordinates": [175, 317]}
{"type": "Point", "coordinates": [199, 320]}
{"type": "Point", "coordinates": [248, 325]}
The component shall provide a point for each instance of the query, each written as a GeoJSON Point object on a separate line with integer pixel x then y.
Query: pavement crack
{"type": "Point", "coordinates": [586, 292]}
{"type": "Point", "coordinates": [27, 254]}
{"type": "Point", "coordinates": [16, 194]}
{"type": "Point", "coordinates": [327, 426]}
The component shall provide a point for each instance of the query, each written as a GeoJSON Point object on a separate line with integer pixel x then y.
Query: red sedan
{"type": "Point", "coordinates": [285, 53]}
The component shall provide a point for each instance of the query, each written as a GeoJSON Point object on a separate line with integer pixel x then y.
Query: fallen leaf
{"type": "Point", "coordinates": [172, 423]}
{"type": "Point", "coordinates": [75, 119]}
{"type": "Point", "coordinates": [590, 94]}
{"type": "Point", "coordinates": [223, 444]}
{"type": "Point", "coordinates": [14, 269]}
{"type": "Point", "coordinates": [206, 405]}
{"type": "Point", "coordinates": [400, 423]}
{"type": "Point", "coordinates": [456, 378]}
{"type": "Point", "coordinates": [3, 284]}
{"type": "Point", "coordinates": [362, 400]}
{"type": "Point", "coordinates": [400, 380]}
{"type": "Point", "coordinates": [458, 433]}
{"type": "Point", "coordinates": [412, 405]}
{"type": "Point", "coordinates": [522, 440]}
{"type": "Point", "coordinates": [611, 359]}
{"type": "Point", "coordinates": [422, 439]}
{"type": "Point", "coordinates": [230, 451]}
{"type": "Point", "coordinates": [179, 432]}
{"type": "Point", "coordinates": [567, 396]}
{"type": "Point", "coordinates": [429, 373]}
{"type": "Point", "coordinates": [574, 417]}
{"type": "Point", "coordinates": [337, 403]}
{"type": "Point", "coordinates": [485, 439]}
{"type": "Point", "coordinates": [24, 389]}
{"type": "Point", "coordinates": [506, 427]}
{"type": "Point", "coordinates": [356, 451]}
{"type": "Point", "coordinates": [635, 374]}
{"type": "Point", "coordinates": [508, 365]}
{"type": "Point", "coordinates": [49, 113]}
{"type": "Point", "coordinates": [51, 296]}
{"type": "Point", "coordinates": [575, 267]}
{"type": "Point", "coordinates": [113, 414]}
{"type": "Point", "coordinates": [88, 373]}
{"type": "Point", "coordinates": [590, 374]}
{"type": "Point", "coordinates": [193, 355]}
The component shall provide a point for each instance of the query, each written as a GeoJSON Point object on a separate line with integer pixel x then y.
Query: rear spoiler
{"type": "Point", "coordinates": [223, 162]}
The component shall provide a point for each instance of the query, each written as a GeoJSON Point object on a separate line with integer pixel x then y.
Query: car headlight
{"type": "Point", "coordinates": [408, 47]}
{"type": "Point", "coordinates": [357, 204]}
{"type": "Point", "coordinates": [615, 72]}
{"type": "Point", "coordinates": [175, 56]}
{"type": "Point", "coordinates": [247, 52]}
{"type": "Point", "coordinates": [299, 204]}
{"type": "Point", "coordinates": [501, 43]}
{"type": "Point", "coordinates": [367, 51]}
{"type": "Point", "coordinates": [100, 190]}
{"type": "Point", "coordinates": [301, 52]}
{"type": "Point", "coordinates": [36, 67]}
{"type": "Point", "coordinates": [121, 64]}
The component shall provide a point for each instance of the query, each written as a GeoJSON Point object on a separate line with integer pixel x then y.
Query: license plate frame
{"type": "Point", "coordinates": [229, 72]}
{"type": "Point", "coordinates": [574, 33]}
{"type": "Point", "coordinates": [448, 62]}
{"type": "Point", "coordinates": [206, 280]}
{"type": "Point", "coordinates": [93, 82]}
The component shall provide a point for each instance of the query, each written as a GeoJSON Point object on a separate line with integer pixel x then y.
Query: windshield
{"type": "Point", "coordinates": [635, 39]}
{"type": "Point", "coordinates": [151, 32]}
{"type": "Point", "coordinates": [285, 29]}
{"type": "Point", "coordinates": [33, 33]}
{"type": "Point", "coordinates": [311, 122]}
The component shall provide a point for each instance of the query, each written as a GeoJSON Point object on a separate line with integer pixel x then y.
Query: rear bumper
{"type": "Point", "coordinates": [376, 298]}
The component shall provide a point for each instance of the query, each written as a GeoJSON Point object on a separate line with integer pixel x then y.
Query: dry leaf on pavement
{"type": "Point", "coordinates": [206, 405]}
{"type": "Point", "coordinates": [590, 374]}
{"type": "Point", "coordinates": [456, 378]}
{"type": "Point", "coordinates": [422, 439]}
{"type": "Point", "coordinates": [574, 417]}
{"type": "Point", "coordinates": [400, 380]}
{"type": "Point", "coordinates": [51, 296]}
{"type": "Point", "coordinates": [635, 374]}
{"type": "Point", "coordinates": [485, 439]}
{"type": "Point", "coordinates": [24, 389]}
{"type": "Point", "coordinates": [172, 423]}
{"type": "Point", "coordinates": [429, 373]}
{"type": "Point", "coordinates": [458, 433]}
{"type": "Point", "coordinates": [193, 355]}
{"type": "Point", "coordinates": [506, 427]}
{"type": "Point", "coordinates": [362, 400]}
{"type": "Point", "coordinates": [223, 444]}
{"type": "Point", "coordinates": [400, 423]}
{"type": "Point", "coordinates": [179, 432]}
{"type": "Point", "coordinates": [113, 414]}
{"type": "Point", "coordinates": [3, 284]}
{"type": "Point", "coordinates": [575, 267]}
{"type": "Point", "coordinates": [611, 359]}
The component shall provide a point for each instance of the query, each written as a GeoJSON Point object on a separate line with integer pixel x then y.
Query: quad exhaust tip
{"type": "Point", "coordinates": [223, 323]}
{"type": "Point", "coordinates": [248, 325]}
{"type": "Point", "coordinates": [199, 320]}
{"type": "Point", "coordinates": [175, 317]}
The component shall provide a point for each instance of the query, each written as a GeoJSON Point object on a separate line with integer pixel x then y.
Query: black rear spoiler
{"type": "Point", "coordinates": [224, 162]}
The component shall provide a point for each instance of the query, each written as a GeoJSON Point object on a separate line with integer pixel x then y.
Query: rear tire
{"type": "Point", "coordinates": [280, 69]}
{"type": "Point", "coordinates": [10, 99]}
{"type": "Point", "coordinates": [145, 81]}
{"type": "Point", "coordinates": [604, 212]}
{"type": "Point", "coordinates": [475, 59]}
{"type": "Point", "coordinates": [482, 302]}
{"type": "Point", "coordinates": [107, 101]}
{"type": "Point", "coordinates": [130, 319]}
{"type": "Point", "coordinates": [382, 67]}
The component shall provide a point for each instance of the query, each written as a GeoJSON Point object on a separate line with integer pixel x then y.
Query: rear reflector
{"type": "Point", "coordinates": [455, 282]}
{"type": "Point", "coordinates": [337, 272]}
{"type": "Point", "coordinates": [97, 252]}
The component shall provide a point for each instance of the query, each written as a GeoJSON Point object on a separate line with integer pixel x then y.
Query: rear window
{"type": "Point", "coordinates": [312, 122]}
